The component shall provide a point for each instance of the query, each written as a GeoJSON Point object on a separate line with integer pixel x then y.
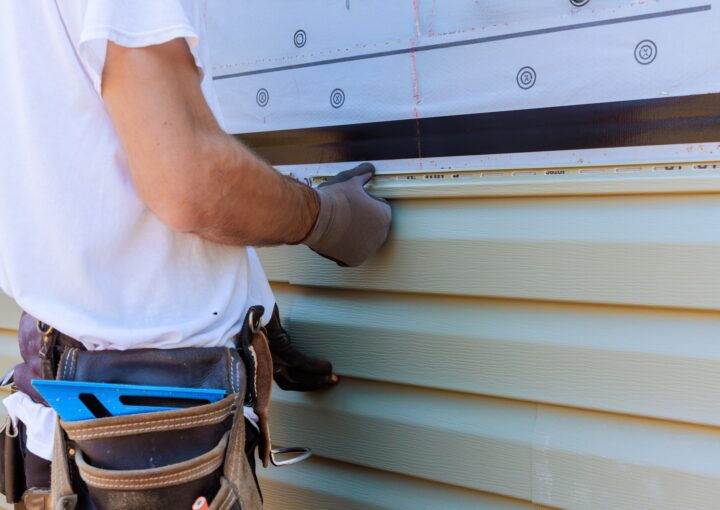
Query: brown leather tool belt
{"type": "Point", "coordinates": [152, 460]}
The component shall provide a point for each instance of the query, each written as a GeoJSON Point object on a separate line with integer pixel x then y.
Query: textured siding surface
{"type": "Point", "coordinates": [507, 353]}
{"type": "Point", "coordinates": [9, 355]}
{"type": "Point", "coordinates": [9, 317]}
{"type": "Point", "coordinates": [511, 352]}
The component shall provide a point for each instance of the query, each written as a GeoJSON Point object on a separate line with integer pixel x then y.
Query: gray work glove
{"type": "Point", "coordinates": [352, 224]}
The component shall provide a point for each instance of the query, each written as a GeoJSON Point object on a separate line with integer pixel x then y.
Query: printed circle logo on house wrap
{"type": "Point", "coordinates": [262, 97]}
{"type": "Point", "coordinates": [526, 77]}
{"type": "Point", "coordinates": [645, 52]}
{"type": "Point", "coordinates": [337, 98]}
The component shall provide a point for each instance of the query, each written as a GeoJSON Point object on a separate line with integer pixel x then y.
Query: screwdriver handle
{"type": "Point", "coordinates": [200, 504]}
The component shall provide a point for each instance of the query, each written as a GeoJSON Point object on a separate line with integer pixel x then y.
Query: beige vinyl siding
{"type": "Point", "coordinates": [322, 484]}
{"type": "Point", "coordinates": [9, 318]}
{"type": "Point", "coordinates": [558, 350]}
{"type": "Point", "coordinates": [657, 250]}
{"type": "Point", "coordinates": [650, 362]}
{"type": "Point", "coordinates": [9, 354]}
{"type": "Point", "coordinates": [9, 313]}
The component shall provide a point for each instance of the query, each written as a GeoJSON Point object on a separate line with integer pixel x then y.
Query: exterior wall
{"type": "Point", "coordinates": [9, 318]}
{"type": "Point", "coordinates": [512, 352]}
{"type": "Point", "coordinates": [515, 352]}
{"type": "Point", "coordinates": [9, 355]}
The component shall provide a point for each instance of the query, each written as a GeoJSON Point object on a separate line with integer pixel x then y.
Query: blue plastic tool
{"type": "Point", "coordinates": [76, 400]}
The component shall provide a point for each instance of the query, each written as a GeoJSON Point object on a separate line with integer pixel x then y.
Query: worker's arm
{"type": "Point", "coordinates": [193, 175]}
{"type": "Point", "coordinates": [198, 179]}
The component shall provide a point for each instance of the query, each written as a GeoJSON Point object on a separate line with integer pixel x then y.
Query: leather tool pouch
{"type": "Point", "coordinates": [161, 459]}
{"type": "Point", "coordinates": [157, 460]}
{"type": "Point", "coordinates": [24, 477]}
{"type": "Point", "coordinates": [12, 478]}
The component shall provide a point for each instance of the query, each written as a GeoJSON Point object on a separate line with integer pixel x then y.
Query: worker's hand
{"type": "Point", "coordinates": [293, 370]}
{"type": "Point", "coordinates": [352, 224]}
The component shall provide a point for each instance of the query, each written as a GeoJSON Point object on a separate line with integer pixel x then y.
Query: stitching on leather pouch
{"type": "Point", "coordinates": [228, 366]}
{"type": "Point", "coordinates": [65, 363]}
{"type": "Point", "coordinates": [229, 500]}
{"type": "Point", "coordinates": [251, 350]}
{"type": "Point", "coordinates": [158, 481]}
{"type": "Point", "coordinates": [73, 365]}
{"type": "Point", "coordinates": [214, 459]}
{"type": "Point", "coordinates": [129, 430]}
{"type": "Point", "coordinates": [232, 498]}
{"type": "Point", "coordinates": [72, 426]}
{"type": "Point", "coordinates": [238, 382]}
{"type": "Point", "coordinates": [99, 432]}
{"type": "Point", "coordinates": [235, 372]}
{"type": "Point", "coordinates": [157, 478]}
{"type": "Point", "coordinates": [68, 362]}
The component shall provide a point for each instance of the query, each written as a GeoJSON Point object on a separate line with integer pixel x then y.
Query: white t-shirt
{"type": "Point", "coordinates": [78, 249]}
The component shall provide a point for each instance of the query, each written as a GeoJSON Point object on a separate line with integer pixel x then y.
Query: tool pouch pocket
{"type": "Point", "coordinates": [175, 485]}
{"type": "Point", "coordinates": [164, 459]}
{"type": "Point", "coordinates": [161, 459]}
{"type": "Point", "coordinates": [12, 478]}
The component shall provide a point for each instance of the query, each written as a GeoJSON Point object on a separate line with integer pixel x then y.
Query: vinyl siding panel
{"type": "Point", "coordinates": [558, 350]}
{"type": "Point", "coordinates": [650, 362]}
{"type": "Point", "coordinates": [9, 354]}
{"type": "Point", "coordinates": [657, 250]}
{"type": "Point", "coordinates": [327, 485]}
{"type": "Point", "coordinates": [584, 460]}
{"type": "Point", "coordinates": [463, 440]}
{"type": "Point", "coordinates": [9, 313]}
{"type": "Point", "coordinates": [560, 457]}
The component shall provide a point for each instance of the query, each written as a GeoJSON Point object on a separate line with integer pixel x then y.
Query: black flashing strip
{"type": "Point", "coordinates": [479, 40]}
{"type": "Point", "coordinates": [674, 120]}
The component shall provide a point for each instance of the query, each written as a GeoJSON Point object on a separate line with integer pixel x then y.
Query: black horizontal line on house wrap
{"type": "Point", "coordinates": [673, 120]}
{"type": "Point", "coordinates": [471, 42]}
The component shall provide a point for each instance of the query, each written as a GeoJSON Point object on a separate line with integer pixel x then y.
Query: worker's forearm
{"type": "Point", "coordinates": [241, 200]}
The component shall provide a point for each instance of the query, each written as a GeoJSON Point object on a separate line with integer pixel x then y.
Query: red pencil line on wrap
{"type": "Point", "coordinates": [415, 81]}
{"type": "Point", "coordinates": [416, 113]}
{"type": "Point", "coordinates": [416, 12]}
{"type": "Point", "coordinates": [431, 32]}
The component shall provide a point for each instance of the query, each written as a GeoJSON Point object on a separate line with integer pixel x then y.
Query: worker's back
{"type": "Point", "coordinates": [78, 248]}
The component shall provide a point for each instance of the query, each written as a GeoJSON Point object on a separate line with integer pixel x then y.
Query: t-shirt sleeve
{"type": "Point", "coordinates": [134, 24]}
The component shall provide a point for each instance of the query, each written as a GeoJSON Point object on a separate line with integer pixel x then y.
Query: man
{"type": "Point", "coordinates": [125, 210]}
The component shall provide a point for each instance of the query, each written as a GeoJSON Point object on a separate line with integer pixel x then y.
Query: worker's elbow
{"type": "Point", "coordinates": [182, 199]}
{"type": "Point", "coordinates": [183, 217]}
